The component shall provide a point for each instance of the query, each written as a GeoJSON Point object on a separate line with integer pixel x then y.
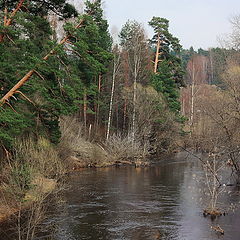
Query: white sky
{"type": "Point", "coordinates": [196, 23]}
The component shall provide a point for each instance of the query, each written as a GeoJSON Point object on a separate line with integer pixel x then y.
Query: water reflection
{"type": "Point", "coordinates": [161, 202]}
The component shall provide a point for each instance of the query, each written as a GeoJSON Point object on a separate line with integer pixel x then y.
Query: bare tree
{"type": "Point", "coordinates": [116, 65]}
{"type": "Point", "coordinates": [133, 41]}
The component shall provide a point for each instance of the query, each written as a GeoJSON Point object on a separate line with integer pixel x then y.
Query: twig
{"type": "Point", "coordinates": [220, 184]}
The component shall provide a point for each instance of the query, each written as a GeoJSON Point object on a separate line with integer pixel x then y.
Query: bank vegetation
{"type": "Point", "coordinates": [73, 97]}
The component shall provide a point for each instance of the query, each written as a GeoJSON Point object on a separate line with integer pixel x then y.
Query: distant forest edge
{"type": "Point", "coordinates": [72, 98]}
{"type": "Point", "coordinates": [137, 90]}
{"type": "Point", "coordinates": [86, 76]}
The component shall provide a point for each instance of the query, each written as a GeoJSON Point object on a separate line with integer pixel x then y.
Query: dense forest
{"type": "Point", "coordinates": [107, 87]}
{"type": "Point", "coordinates": [73, 97]}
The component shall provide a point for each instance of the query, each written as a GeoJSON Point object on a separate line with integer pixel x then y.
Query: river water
{"type": "Point", "coordinates": [160, 202]}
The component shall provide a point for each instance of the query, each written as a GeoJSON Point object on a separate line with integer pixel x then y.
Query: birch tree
{"type": "Point", "coordinates": [133, 41]}
{"type": "Point", "coordinates": [197, 76]}
{"type": "Point", "coordinates": [115, 71]}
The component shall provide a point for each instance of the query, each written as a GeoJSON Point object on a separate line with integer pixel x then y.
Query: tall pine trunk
{"type": "Point", "coordinates": [157, 54]}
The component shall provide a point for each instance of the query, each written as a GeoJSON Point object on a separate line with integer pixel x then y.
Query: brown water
{"type": "Point", "coordinates": [140, 204]}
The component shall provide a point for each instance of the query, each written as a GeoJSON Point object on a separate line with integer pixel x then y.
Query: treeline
{"type": "Point", "coordinates": [210, 101]}
{"type": "Point", "coordinates": [204, 70]}
{"type": "Point", "coordinates": [209, 64]}
{"type": "Point", "coordinates": [129, 89]}
{"type": "Point", "coordinates": [70, 97]}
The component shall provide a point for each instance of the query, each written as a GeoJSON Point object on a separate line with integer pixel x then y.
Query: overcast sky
{"type": "Point", "coordinates": [196, 23]}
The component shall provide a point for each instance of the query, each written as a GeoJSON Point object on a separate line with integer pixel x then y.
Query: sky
{"type": "Point", "coordinates": [197, 23]}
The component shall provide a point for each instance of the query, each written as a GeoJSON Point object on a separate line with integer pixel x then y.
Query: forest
{"type": "Point", "coordinates": [73, 97]}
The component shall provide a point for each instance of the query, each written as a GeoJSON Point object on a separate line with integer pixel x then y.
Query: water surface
{"type": "Point", "coordinates": [160, 202]}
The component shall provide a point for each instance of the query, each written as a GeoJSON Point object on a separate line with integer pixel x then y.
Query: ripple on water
{"type": "Point", "coordinates": [138, 204]}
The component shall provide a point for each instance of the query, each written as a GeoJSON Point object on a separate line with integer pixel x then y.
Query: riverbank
{"type": "Point", "coordinates": [32, 174]}
{"type": "Point", "coordinates": [78, 150]}
{"type": "Point", "coordinates": [136, 203]}
{"type": "Point", "coordinates": [25, 185]}
{"type": "Point", "coordinates": [40, 190]}
{"type": "Point", "coordinates": [28, 176]}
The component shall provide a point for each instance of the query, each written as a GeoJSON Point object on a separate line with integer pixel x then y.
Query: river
{"type": "Point", "coordinates": [160, 202]}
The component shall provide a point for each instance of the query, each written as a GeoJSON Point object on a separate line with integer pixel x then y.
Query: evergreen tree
{"type": "Point", "coordinates": [186, 55]}
{"type": "Point", "coordinates": [168, 75]}
{"type": "Point", "coordinates": [57, 86]}
{"type": "Point", "coordinates": [164, 82]}
{"type": "Point", "coordinates": [50, 96]}
{"type": "Point", "coordinates": [40, 7]}
{"type": "Point", "coordinates": [99, 44]}
{"type": "Point", "coordinates": [203, 52]}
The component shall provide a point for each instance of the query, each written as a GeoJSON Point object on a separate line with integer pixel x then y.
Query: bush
{"type": "Point", "coordinates": [123, 148]}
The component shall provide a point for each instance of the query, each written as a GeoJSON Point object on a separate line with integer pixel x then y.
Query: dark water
{"type": "Point", "coordinates": [161, 202]}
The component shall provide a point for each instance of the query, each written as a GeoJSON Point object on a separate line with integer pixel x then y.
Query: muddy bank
{"type": "Point", "coordinates": [12, 209]}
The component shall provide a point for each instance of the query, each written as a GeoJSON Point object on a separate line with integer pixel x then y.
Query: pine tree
{"type": "Point", "coordinates": [168, 70]}
{"type": "Point", "coordinates": [48, 95]}
{"type": "Point", "coordinates": [99, 44]}
{"type": "Point", "coordinates": [57, 86]}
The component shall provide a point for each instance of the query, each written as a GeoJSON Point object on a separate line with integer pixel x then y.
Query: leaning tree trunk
{"type": "Point", "coordinates": [20, 83]}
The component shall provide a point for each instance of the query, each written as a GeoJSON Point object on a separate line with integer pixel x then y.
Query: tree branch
{"type": "Point", "coordinates": [20, 83]}
{"type": "Point", "coordinates": [8, 22]}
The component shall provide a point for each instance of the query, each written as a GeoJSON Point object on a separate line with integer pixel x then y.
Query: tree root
{"type": "Point", "coordinates": [218, 229]}
{"type": "Point", "coordinates": [213, 213]}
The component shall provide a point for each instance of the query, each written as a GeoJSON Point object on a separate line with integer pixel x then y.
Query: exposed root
{"type": "Point", "coordinates": [218, 229]}
{"type": "Point", "coordinates": [213, 213]}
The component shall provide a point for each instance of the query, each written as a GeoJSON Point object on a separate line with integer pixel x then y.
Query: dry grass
{"type": "Point", "coordinates": [123, 148]}
{"type": "Point", "coordinates": [79, 152]}
{"type": "Point", "coordinates": [26, 184]}
{"type": "Point", "coordinates": [75, 149]}
{"type": "Point", "coordinates": [41, 156]}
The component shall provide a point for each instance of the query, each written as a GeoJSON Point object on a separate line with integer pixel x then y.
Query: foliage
{"type": "Point", "coordinates": [134, 43]}
{"type": "Point", "coordinates": [219, 58]}
{"type": "Point", "coordinates": [42, 8]}
{"type": "Point", "coordinates": [164, 82]}
{"type": "Point", "coordinates": [47, 89]}
{"type": "Point", "coordinates": [78, 71]}
{"type": "Point", "coordinates": [169, 76]}
{"type": "Point", "coordinates": [58, 84]}
{"type": "Point", "coordinates": [21, 176]}
{"type": "Point", "coordinates": [186, 55]}
{"type": "Point", "coordinates": [168, 41]}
